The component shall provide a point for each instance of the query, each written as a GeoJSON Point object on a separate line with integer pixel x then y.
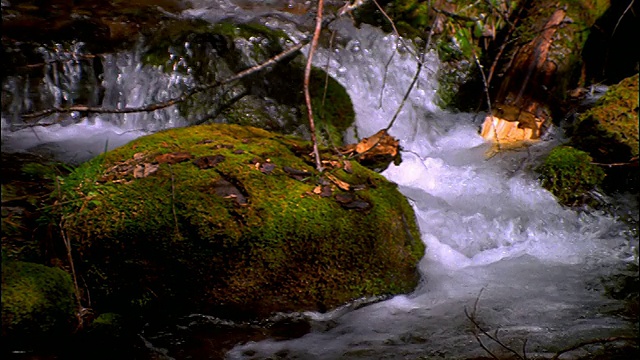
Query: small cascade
{"type": "Point", "coordinates": [501, 253]}
{"type": "Point", "coordinates": [71, 77]}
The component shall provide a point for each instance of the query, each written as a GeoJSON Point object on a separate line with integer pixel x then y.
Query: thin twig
{"type": "Point", "coordinates": [472, 319]}
{"type": "Point", "coordinates": [67, 244]}
{"type": "Point", "coordinates": [174, 101]}
{"type": "Point", "coordinates": [592, 342]}
{"type": "Point", "coordinates": [307, 74]}
{"type": "Point", "coordinates": [326, 67]}
{"type": "Point", "coordinates": [396, 32]}
{"type": "Point", "coordinates": [173, 201]}
{"type": "Point", "coordinates": [384, 78]}
{"type": "Point", "coordinates": [488, 95]}
{"type": "Point", "coordinates": [416, 76]}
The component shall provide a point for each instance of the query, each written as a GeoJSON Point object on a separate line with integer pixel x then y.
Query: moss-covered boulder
{"type": "Point", "coordinates": [37, 301]}
{"type": "Point", "coordinates": [569, 174]}
{"type": "Point", "coordinates": [609, 130]}
{"type": "Point", "coordinates": [235, 221]}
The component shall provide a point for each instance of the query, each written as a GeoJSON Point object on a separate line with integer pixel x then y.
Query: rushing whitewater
{"type": "Point", "coordinates": [75, 138]}
{"type": "Point", "coordinates": [498, 245]}
{"type": "Point", "coordinates": [500, 251]}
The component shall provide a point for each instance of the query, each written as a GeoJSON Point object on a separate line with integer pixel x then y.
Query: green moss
{"type": "Point", "coordinates": [609, 130]}
{"type": "Point", "coordinates": [569, 174]}
{"type": "Point", "coordinates": [27, 181]}
{"type": "Point", "coordinates": [285, 249]}
{"type": "Point", "coordinates": [36, 300]}
{"type": "Point", "coordinates": [333, 110]}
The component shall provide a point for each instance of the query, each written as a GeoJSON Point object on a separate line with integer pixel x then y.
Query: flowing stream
{"type": "Point", "coordinates": [499, 247]}
{"type": "Point", "coordinates": [501, 252]}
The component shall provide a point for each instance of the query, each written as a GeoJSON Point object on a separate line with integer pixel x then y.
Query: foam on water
{"type": "Point", "coordinates": [493, 235]}
{"type": "Point", "coordinates": [74, 138]}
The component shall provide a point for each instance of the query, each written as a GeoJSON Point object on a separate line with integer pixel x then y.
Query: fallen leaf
{"type": "Point", "coordinates": [138, 171]}
{"type": "Point", "coordinates": [173, 158]}
{"type": "Point", "coordinates": [326, 191]}
{"type": "Point", "coordinates": [339, 183]}
{"type": "Point", "coordinates": [150, 169]}
{"type": "Point", "coordinates": [300, 175]}
{"type": "Point", "coordinates": [267, 168]}
{"type": "Point", "coordinates": [207, 162]}
{"type": "Point", "coordinates": [347, 167]}
{"type": "Point", "coordinates": [351, 202]}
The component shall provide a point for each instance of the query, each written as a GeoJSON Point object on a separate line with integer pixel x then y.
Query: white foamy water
{"type": "Point", "coordinates": [496, 241]}
{"type": "Point", "coordinates": [77, 137]}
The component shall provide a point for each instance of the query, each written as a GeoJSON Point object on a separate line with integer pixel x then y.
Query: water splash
{"type": "Point", "coordinates": [488, 226]}
{"type": "Point", "coordinates": [109, 81]}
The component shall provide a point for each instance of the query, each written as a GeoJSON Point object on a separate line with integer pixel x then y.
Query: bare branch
{"type": "Point", "coordinates": [307, 74]}
{"type": "Point", "coordinates": [592, 342]}
{"type": "Point", "coordinates": [326, 68]}
{"type": "Point", "coordinates": [472, 319]}
{"type": "Point", "coordinates": [456, 16]}
{"type": "Point", "coordinates": [397, 33]}
{"type": "Point", "coordinates": [486, 91]}
{"type": "Point", "coordinates": [174, 101]}
{"type": "Point", "coordinates": [416, 76]}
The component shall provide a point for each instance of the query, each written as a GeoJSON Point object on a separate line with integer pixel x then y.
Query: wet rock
{"type": "Point", "coordinates": [235, 241]}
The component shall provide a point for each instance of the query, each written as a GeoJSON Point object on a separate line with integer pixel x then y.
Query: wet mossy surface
{"type": "Point", "coordinates": [609, 130]}
{"type": "Point", "coordinates": [183, 238]}
{"type": "Point", "coordinates": [569, 174]}
{"type": "Point", "coordinates": [609, 133]}
{"type": "Point", "coordinates": [37, 301]}
{"type": "Point", "coordinates": [27, 181]}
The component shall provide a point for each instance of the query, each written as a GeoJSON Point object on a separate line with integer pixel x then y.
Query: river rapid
{"type": "Point", "coordinates": [505, 264]}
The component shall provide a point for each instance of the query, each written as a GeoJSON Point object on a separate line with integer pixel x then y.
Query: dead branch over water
{"type": "Point", "coordinates": [157, 106]}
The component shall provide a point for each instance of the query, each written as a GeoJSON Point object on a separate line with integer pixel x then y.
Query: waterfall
{"type": "Point", "coordinates": [68, 73]}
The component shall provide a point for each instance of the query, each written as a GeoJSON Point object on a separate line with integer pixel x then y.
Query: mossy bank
{"type": "Point", "coordinates": [608, 132]}
{"type": "Point", "coordinates": [234, 221]}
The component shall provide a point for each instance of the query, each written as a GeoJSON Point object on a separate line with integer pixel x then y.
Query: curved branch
{"type": "Point", "coordinates": [170, 102]}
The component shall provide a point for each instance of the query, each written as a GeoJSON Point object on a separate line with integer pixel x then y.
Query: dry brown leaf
{"type": "Point", "coordinates": [347, 167]}
{"type": "Point", "coordinates": [150, 169]}
{"type": "Point", "coordinates": [339, 183]}
{"type": "Point", "coordinates": [173, 158]}
{"type": "Point", "coordinates": [138, 171]}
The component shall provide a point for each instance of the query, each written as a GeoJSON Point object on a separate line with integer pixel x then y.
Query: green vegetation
{"type": "Point", "coordinates": [485, 30]}
{"type": "Point", "coordinates": [37, 300]}
{"type": "Point", "coordinates": [609, 130]}
{"type": "Point", "coordinates": [569, 174]}
{"type": "Point", "coordinates": [332, 109]}
{"type": "Point", "coordinates": [215, 52]}
{"type": "Point", "coordinates": [184, 236]}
